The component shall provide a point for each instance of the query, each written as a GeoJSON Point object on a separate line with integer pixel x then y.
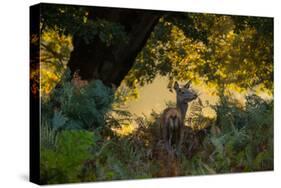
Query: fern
{"type": "Point", "coordinates": [78, 108]}
{"type": "Point", "coordinates": [58, 120]}
{"type": "Point", "coordinates": [64, 163]}
{"type": "Point", "coordinates": [48, 137]}
{"type": "Point", "coordinates": [238, 139]}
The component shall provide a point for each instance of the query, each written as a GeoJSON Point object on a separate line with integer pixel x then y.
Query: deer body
{"type": "Point", "coordinates": [172, 119]}
{"type": "Point", "coordinates": [171, 122]}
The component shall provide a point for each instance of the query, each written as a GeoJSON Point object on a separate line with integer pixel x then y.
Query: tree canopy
{"type": "Point", "coordinates": [232, 55]}
{"type": "Point", "coordinates": [220, 50]}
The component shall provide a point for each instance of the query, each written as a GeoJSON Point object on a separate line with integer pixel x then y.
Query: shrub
{"type": "Point", "coordinates": [78, 108]}
{"type": "Point", "coordinates": [239, 139]}
{"type": "Point", "coordinates": [64, 162]}
{"type": "Point", "coordinates": [245, 139]}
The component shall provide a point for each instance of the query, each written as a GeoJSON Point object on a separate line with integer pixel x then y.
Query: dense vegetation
{"type": "Point", "coordinates": [238, 140]}
{"type": "Point", "coordinates": [84, 116]}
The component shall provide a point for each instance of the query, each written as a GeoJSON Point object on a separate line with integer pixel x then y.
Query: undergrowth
{"type": "Point", "coordinates": [78, 143]}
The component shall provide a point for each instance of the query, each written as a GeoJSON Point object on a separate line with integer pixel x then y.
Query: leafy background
{"type": "Point", "coordinates": [89, 134]}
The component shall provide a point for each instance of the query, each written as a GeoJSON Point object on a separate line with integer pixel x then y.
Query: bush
{"type": "Point", "coordinates": [244, 141]}
{"type": "Point", "coordinates": [77, 143]}
{"type": "Point", "coordinates": [70, 107]}
{"type": "Point", "coordinates": [64, 162]}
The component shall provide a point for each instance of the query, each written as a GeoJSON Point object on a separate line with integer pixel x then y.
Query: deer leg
{"type": "Point", "coordinates": [170, 128]}
{"type": "Point", "coordinates": [180, 138]}
{"type": "Point", "coordinates": [164, 131]}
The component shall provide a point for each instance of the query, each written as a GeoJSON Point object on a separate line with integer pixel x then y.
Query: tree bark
{"type": "Point", "coordinates": [111, 64]}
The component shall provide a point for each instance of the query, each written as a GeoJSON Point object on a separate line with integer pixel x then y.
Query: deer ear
{"type": "Point", "coordinates": [187, 85]}
{"type": "Point", "coordinates": [176, 86]}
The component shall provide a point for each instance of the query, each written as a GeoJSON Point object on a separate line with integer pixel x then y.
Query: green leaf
{"type": "Point", "coordinates": [58, 120]}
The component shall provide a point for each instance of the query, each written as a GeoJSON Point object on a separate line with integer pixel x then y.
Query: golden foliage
{"type": "Point", "coordinates": [54, 55]}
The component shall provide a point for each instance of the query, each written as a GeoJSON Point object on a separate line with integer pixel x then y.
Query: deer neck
{"type": "Point", "coordinates": [183, 108]}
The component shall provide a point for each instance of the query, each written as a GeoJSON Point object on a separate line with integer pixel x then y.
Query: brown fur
{"type": "Point", "coordinates": [171, 126]}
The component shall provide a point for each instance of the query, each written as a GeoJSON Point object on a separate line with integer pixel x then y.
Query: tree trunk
{"type": "Point", "coordinates": [112, 63]}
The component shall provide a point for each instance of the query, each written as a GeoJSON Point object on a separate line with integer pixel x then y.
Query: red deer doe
{"type": "Point", "coordinates": [172, 119]}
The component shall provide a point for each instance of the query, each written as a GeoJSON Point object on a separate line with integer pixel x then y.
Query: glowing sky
{"type": "Point", "coordinates": [156, 95]}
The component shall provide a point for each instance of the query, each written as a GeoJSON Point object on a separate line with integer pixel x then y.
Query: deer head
{"type": "Point", "coordinates": [184, 94]}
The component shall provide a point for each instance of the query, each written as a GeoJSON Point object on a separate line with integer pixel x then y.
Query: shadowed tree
{"type": "Point", "coordinates": [106, 41]}
{"type": "Point", "coordinates": [110, 63]}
